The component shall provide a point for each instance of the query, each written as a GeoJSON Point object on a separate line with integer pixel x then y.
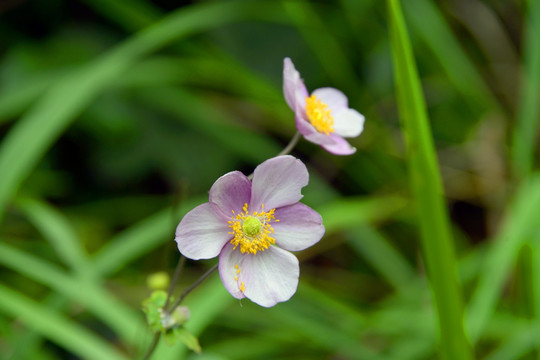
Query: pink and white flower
{"type": "Point", "coordinates": [323, 117]}
{"type": "Point", "coordinates": [252, 226]}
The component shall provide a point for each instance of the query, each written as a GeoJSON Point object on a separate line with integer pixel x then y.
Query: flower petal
{"type": "Point", "coordinates": [231, 192]}
{"type": "Point", "coordinates": [349, 123]}
{"type": "Point", "coordinates": [270, 276]}
{"type": "Point", "coordinates": [293, 86]}
{"type": "Point", "coordinates": [203, 232]}
{"type": "Point", "coordinates": [309, 132]}
{"type": "Point", "coordinates": [332, 143]}
{"type": "Point", "coordinates": [339, 147]}
{"type": "Point", "coordinates": [299, 227]}
{"type": "Point", "coordinates": [277, 182]}
{"type": "Point", "coordinates": [335, 99]}
{"type": "Point", "coordinates": [230, 261]}
{"type": "Point", "coordinates": [304, 127]}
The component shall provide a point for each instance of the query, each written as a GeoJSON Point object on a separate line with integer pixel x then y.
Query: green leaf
{"type": "Point", "coordinates": [181, 334]}
{"type": "Point", "coordinates": [153, 308]}
{"type": "Point", "coordinates": [205, 303]}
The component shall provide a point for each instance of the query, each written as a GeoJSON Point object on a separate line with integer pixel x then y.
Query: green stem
{"type": "Point", "coordinates": [437, 245]}
{"type": "Point", "coordinates": [192, 287]}
{"type": "Point", "coordinates": [152, 346]}
{"type": "Point", "coordinates": [290, 145]}
{"type": "Point", "coordinates": [286, 150]}
{"type": "Point", "coordinates": [175, 279]}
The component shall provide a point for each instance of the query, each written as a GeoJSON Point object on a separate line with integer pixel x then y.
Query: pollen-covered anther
{"type": "Point", "coordinates": [319, 115]}
{"type": "Point", "coordinates": [251, 232]}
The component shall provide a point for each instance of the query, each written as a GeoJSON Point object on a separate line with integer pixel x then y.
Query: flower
{"type": "Point", "coordinates": [252, 226]}
{"type": "Point", "coordinates": [323, 117]}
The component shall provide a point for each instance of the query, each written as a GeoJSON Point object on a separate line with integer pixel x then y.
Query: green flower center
{"type": "Point", "coordinates": [251, 226]}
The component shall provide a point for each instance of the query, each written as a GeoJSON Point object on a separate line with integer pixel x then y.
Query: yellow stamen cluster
{"type": "Point", "coordinates": [319, 115]}
{"type": "Point", "coordinates": [252, 232]}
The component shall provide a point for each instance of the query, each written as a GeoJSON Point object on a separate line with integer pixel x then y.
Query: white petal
{"type": "Point", "coordinates": [348, 123]}
{"type": "Point", "coordinates": [340, 146]}
{"type": "Point", "coordinates": [294, 89]}
{"type": "Point", "coordinates": [335, 99]}
{"type": "Point", "coordinates": [231, 192]}
{"type": "Point", "coordinates": [298, 228]}
{"type": "Point", "coordinates": [203, 232]}
{"type": "Point", "coordinates": [270, 276]}
{"type": "Point", "coordinates": [278, 182]}
{"type": "Point", "coordinates": [230, 262]}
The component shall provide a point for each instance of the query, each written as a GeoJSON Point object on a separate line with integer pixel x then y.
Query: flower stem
{"type": "Point", "coordinates": [175, 279]}
{"type": "Point", "coordinates": [290, 145]}
{"type": "Point", "coordinates": [286, 150]}
{"type": "Point", "coordinates": [193, 286]}
{"type": "Point", "coordinates": [185, 293]}
{"type": "Point", "coordinates": [152, 347]}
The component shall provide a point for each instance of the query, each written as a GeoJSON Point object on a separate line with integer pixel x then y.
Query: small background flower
{"type": "Point", "coordinates": [323, 117]}
{"type": "Point", "coordinates": [252, 226]}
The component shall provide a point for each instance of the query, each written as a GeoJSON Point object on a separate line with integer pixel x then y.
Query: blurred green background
{"type": "Point", "coordinates": [117, 116]}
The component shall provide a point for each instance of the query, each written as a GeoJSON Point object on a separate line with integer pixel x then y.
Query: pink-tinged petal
{"type": "Point", "coordinates": [303, 126]}
{"type": "Point", "coordinates": [231, 192]}
{"type": "Point", "coordinates": [298, 228]}
{"type": "Point", "coordinates": [320, 138]}
{"type": "Point", "coordinates": [339, 147]}
{"type": "Point", "coordinates": [270, 276]}
{"type": "Point", "coordinates": [203, 232]}
{"type": "Point", "coordinates": [230, 265]}
{"type": "Point", "coordinates": [294, 89]}
{"type": "Point", "coordinates": [349, 123]}
{"type": "Point", "coordinates": [309, 132]}
{"type": "Point", "coordinates": [278, 182]}
{"type": "Point", "coordinates": [332, 143]}
{"type": "Point", "coordinates": [335, 99]}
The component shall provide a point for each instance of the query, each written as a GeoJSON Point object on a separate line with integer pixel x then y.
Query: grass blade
{"type": "Point", "coordinates": [29, 139]}
{"type": "Point", "coordinates": [427, 189]}
{"type": "Point", "coordinates": [367, 242]}
{"type": "Point", "coordinates": [119, 317]}
{"type": "Point", "coordinates": [134, 242]}
{"type": "Point", "coordinates": [56, 327]}
{"type": "Point", "coordinates": [434, 30]}
{"type": "Point", "coordinates": [525, 134]}
{"type": "Point", "coordinates": [520, 223]}
{"type": "Point", "coordinates": [517, 346]}
{"type": "Point", "coordinates": [57, 230]}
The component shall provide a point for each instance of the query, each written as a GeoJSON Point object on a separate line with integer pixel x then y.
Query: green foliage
{"type": "Point", "coordinates": [153, 308]}
{"type": "Point", "coordinates": [117, 116]}
{"type": "Point", "coordinates": [171, 325]}
{"type": "Point", "coordinates": [182, 335]}
{"type": "Point", "coordinates": [438, 247]}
